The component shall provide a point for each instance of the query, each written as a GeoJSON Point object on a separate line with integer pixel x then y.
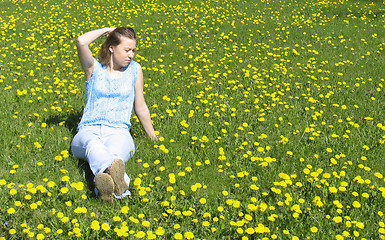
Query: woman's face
{"type": "Point", "coordinates": [123, 53]}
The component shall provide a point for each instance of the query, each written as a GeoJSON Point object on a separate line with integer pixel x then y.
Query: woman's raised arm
{"type": "Point", "coordinates": [85, 55]}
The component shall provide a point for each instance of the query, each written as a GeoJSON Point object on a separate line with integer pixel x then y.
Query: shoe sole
{"type": "Point", "coordinates": [105, 186]}
{"type": "Point", "coordinates": [117, 171]}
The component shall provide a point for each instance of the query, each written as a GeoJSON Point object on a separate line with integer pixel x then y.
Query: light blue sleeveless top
{"type": "Point", "coordinates": [109, 100]}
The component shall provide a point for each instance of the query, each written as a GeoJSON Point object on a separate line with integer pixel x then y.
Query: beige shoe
{"type": "Point", "coordinates": [117, 171]}
{"type": "Point", "coordinates": [105, 186]}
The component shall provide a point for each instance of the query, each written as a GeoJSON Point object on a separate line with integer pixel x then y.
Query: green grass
{"type": "Point", "coordinates": [271, 115]}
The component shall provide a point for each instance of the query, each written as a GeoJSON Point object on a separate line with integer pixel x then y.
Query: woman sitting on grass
{"type": "Point", "coordinates": [114, 84]}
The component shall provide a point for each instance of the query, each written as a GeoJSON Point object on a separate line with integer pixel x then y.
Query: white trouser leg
{"type": "Point", "coordinates": [99, 145]}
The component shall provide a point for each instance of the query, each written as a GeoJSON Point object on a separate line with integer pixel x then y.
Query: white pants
{"type": "Point", "coordinates": [100, 145]}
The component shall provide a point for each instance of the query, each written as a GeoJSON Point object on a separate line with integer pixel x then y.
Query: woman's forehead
{"type": "Point", "coordinates": [125, 41]}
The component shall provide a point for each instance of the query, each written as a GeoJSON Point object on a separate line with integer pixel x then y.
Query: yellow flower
{"type": "Point", "coordinates": [13, 191]}
{"type": "Point", "coordinates": [3, 182]}
{"type": "Point", "coordinates": [337, 219]}
{"type": "Point", "coordinates": [205, 223]}
{"type": "Point", "coordinates": [360, 225]}
{"type": "Point", "coordinates": [160, 231]}
{"type": "Point", "coordinates": [140, 234]}
{"type": "Point", "coordinates": [11, 210]}
{"type": "Point", "coordinates": [137, 182]}
{"type": "Point", "coordinates": [333, 189]}
{"type": "Point", "coordinates": [295, 52]}
{"type": "Point", "coordinates": [188, 235]}
{"type": "Point", "coordinates": [314, 229]}
{"type": "Point", "coordinates": [40, 236]}
{"type": "Point", "coordinates": [105, 227]}
{"type": "Point", "coordinates": [236, 204]}
{"type": "Point", "coordinates": [50, 184]}
{"type": "Point", "coordinates": [78, 185]}
{"type": "Point", "coordinates": [65, 179]}
{"type": "Point", "coordinates": [64, 190]}
{"type": "Point", "coordinates": [250, 231]}
{"type": "Point", "coordinates": [178, 236]}
{"type": "Point", "coordinates": [356, 204]}
{"type": "Point", "coordinates": [37, 144]}
{"type": "Point", "coordinates": [339, 237]}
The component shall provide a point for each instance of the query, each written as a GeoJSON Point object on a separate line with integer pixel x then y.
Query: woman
{"type": "Point", "coordinates": [114, 84]}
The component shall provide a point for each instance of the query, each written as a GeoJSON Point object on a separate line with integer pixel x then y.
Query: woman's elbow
{"type": "Point", "coordinates": [80, 41]}
{"type": "Point", "coordinates": [141, 110]}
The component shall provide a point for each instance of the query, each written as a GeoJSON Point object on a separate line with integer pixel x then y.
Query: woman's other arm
{"type": "Point", "coordinates": [141, 108]}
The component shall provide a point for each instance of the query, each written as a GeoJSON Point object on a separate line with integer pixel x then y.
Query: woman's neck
{"type": "Point", "coordinates": [114, 72]}
{"type": "Point", "coordinates": [111, 67]}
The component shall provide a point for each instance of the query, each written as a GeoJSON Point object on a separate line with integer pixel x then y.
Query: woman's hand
{"type": "Point", "coordinates": [155, 138]}
{"type": "Point", "coordinates": [108, 31]}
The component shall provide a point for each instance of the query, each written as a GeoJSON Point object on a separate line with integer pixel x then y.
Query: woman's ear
{"type": "Point", "coordinates": [111, 49]}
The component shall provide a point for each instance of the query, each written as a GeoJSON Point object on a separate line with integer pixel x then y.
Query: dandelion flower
{"type": "Point", "coordinates": [337, 219]}
{"type": "Point", "coordinates": [11, 210]}
{"type": "Point", "coordinates": [188, 235]}
{"type": "Point", "coordinates": [140, 234]}
{"type": "Point", "coordinates": [105, 227]}
{"type": "Point", "coordinates": [356, 204]}
{"type": "Point", "coordinates": [178, 236]}
{"type": "Point", "coordinates": [160, 231]}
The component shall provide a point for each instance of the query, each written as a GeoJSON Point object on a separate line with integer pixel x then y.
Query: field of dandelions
{"type": "Point", "coordinates": [271, 116]}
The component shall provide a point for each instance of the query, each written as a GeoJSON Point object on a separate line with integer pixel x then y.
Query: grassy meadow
{"type": "Point", "coordinates": [271, 115]}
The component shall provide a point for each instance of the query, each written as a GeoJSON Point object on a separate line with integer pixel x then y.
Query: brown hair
{"type": "Point", "coordinates": [113, 39]}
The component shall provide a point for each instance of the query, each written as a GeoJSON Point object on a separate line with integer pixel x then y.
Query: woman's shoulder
{"type": "Point", "coordinates": [134, 65]}
{"type": "Point", "coordinates": [95, 70]}
{"type": "Point", "coordinates": [137, 65]}
{"type": "Point", "coordinates": [98, 64]}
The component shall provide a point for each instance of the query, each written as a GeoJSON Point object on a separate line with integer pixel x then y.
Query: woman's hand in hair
{"type": "Point", "coordinates": [108, 31]}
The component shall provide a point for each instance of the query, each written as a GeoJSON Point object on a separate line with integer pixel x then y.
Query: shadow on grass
{"type": "Point", "coordinates": [84, 168]}
{"type": "Point", "coordinates": [71, 121]}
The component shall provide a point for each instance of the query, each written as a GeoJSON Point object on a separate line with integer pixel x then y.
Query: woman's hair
{"type": "Point", "coordinates": [113, 39]}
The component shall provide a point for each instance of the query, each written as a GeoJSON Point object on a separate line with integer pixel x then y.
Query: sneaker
{"type": "Point", "coordinates": [105, 186]}
{"type": "Point", "coordinates": [117, 171]}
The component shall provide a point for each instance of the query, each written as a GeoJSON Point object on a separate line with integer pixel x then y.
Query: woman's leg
{"type": "Point", "coordinates": [101, 145]}
{"type": "Point", "coordinates": [120, 144]}
{"type": "Point", "coordinates": [88, 145]}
